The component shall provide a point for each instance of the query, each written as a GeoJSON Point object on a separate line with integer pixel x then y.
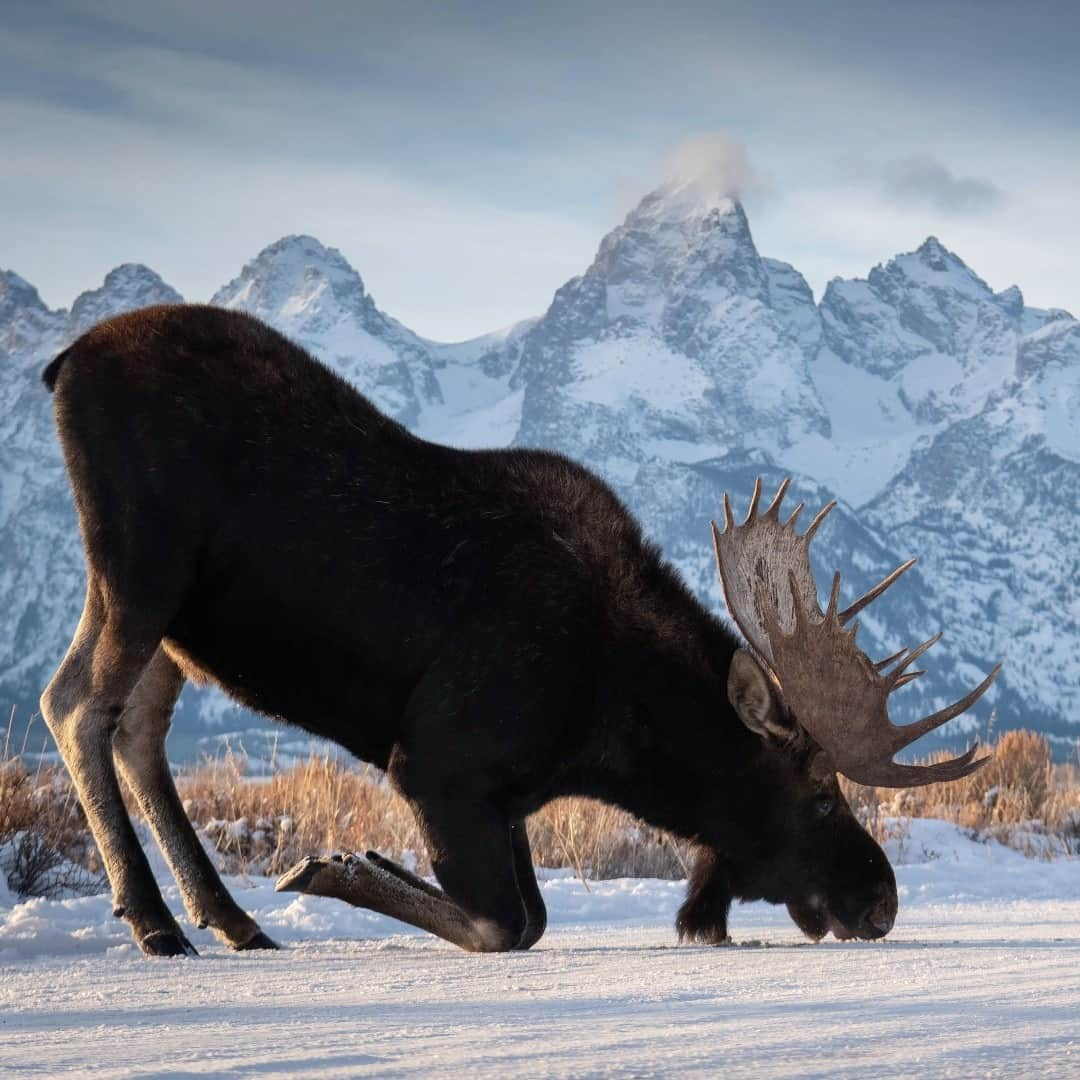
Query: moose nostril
{"type": "Point", "coordinates": [883, 914]}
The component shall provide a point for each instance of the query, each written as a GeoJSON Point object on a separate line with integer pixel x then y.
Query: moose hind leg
{"type": "Point", "coordinates": [81, 706]}
{"type": "Point", "coordinates": [139, 750]}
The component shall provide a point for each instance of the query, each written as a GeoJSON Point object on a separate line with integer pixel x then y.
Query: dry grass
{"type": "Point", "coordinates": [264, 825]}
{"type": "Point", "coordinates": [1022, 798]}
{"type": "Point", "coordinates": [45, 845]}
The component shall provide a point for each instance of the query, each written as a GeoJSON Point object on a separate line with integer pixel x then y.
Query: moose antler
{"type": "Point", "coordinates": [836, 692]}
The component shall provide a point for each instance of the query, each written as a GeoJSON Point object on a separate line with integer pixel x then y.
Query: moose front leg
{"type": "Point", "coordinates": [366, 881]}
{"type": "Point", "coordinates": [481, 909]}
{"type": "Point", "coordinates": [535, 911]}
{"type": "Point", "coordinates": [703, 915]}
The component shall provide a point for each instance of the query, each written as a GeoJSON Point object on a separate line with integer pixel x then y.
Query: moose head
{"type": "Point", "coordinates": [820, 706]}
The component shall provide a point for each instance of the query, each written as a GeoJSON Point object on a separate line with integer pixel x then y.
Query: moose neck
{"type": "Point", "coordinates": [683, 752]}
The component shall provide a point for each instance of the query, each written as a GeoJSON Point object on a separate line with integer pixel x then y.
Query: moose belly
{"type": "Point", "coordinates": [328, 691]}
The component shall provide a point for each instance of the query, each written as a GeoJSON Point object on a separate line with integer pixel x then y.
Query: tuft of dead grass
{"type": "Point", "coordinates": [265, 824]}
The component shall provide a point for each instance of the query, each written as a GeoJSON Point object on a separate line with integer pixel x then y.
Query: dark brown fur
{"type": "Point", "coordinates": [490, 627]}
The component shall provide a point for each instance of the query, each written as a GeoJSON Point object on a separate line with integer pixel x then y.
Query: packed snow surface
{"type": "Point", "coordinates": [980, 977]}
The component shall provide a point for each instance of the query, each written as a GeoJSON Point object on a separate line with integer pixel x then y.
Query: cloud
{"type": "Point", "coordinates": [925, 182]}
{"type": "Point", "coordinates": [707, 166]}
{"type": "Point", "coordinates": [714, 162]}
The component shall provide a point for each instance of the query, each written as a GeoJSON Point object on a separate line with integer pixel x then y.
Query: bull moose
{"type": "Point", "coordinates": [488, 627]}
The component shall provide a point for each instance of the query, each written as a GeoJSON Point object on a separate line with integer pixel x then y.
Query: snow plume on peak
{"type": "Point", "coordinates": [669, 243]}
{"type": "Point", "coordinates": [676, 343]}
{"type": "Point", "coordinates": [709, 167]}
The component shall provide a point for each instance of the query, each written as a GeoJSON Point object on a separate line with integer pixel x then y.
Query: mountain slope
{"type": "Point", "coordinates": [41, 566]}
{"type": "Point", "coordinates": [990, 504]}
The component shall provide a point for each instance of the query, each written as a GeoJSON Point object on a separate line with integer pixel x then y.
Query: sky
{"type": "Point", "coordinates": [467, 158]}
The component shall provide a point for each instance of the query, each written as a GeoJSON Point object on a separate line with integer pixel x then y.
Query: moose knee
{"type": "Point", "coordinates": [491, 936]}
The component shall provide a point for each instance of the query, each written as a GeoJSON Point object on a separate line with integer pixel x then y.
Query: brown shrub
{"type": "Point", "coordinates": [45, 845]}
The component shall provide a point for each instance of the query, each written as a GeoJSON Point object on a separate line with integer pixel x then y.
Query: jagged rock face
{"type": "Point", "coordinates": [680, 364]}
{"type": "Point", "coordinates": [311, 293]}
{"type": "Point", "coordinates": [929, 327]}
{"type": "Point", "coordinates": [678, 343]}
{"type": "Point", "coordinates": [991, 506]}
{"type": "Point", "coordinates": [917, 345]}
{"type": "Point", "coordinates": [26, 324]}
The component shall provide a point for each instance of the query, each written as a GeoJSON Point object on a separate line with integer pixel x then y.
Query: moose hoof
{"type": "Point", "coordinates": [166, 943]}
{"type": "Point", "coordinates": [259, 941]}
{"type": "Point", "coordinates": [301, 875]}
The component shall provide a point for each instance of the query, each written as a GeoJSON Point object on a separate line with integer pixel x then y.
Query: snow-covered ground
{"type": "Point", "coordinates": [980, 977]}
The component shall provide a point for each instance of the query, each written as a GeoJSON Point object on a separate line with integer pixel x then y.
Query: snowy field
{"type": "Point", "coordinates": [981, 977]}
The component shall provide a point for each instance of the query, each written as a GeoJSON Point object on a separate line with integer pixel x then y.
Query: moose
{"type": "Point", "coordinates": [490, 628]}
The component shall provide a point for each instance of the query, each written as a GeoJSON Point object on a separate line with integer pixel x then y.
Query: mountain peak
{"type": "Point", "coordinates": [689, 199]}
{"type": "Point", "coordinates": [293, 275]}
{"type": "Point", "coordinates": [931, 266]}
{"type": "Point", "coordinates": [1011, 300]}
{"type": "Point", "coordinates": [300, 253]}
{"type": "Point", "coordinates": [17, 294]}
{"type": "Point", "coordinates": [679, 233]}
{"type": "Point", "coordinates": [126, 287]}
{"type": "Point", "coordinates": [934, 253]}
{"type": "Point", "coordinates": [689, 212]}
{"type": "Point", "coordinates": [932, 258]}
{"type": "Point", "coordinates": [135, 275]}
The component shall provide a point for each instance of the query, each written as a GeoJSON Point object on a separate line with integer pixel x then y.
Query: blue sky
{"type": "Point", "coordinates": [467, 158]}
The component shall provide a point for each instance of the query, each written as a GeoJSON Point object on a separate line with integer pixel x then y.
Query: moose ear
{"type": "Point", "coordinates": [753, 699]}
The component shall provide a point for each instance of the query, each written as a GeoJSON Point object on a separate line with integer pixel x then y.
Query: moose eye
{"type": "Point", "coordinates": [823, 806]}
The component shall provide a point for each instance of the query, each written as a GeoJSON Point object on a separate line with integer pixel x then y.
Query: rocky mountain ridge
{"type": "Point", "coordinates": [680, 364]}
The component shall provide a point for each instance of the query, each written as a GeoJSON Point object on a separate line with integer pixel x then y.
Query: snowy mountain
{"type": "Point", "coordinates": [679, 343]}
{"type": "Point", "coordinates": [991, 506]}
{"type": "Point", "coordinates": [41, 564]}
{"type": "Point", "coordinates": [919, 344]}
{"type": "Point", "coordinates": [312, 294]}
{"type": "Point", "coordinates": [680, 364]}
